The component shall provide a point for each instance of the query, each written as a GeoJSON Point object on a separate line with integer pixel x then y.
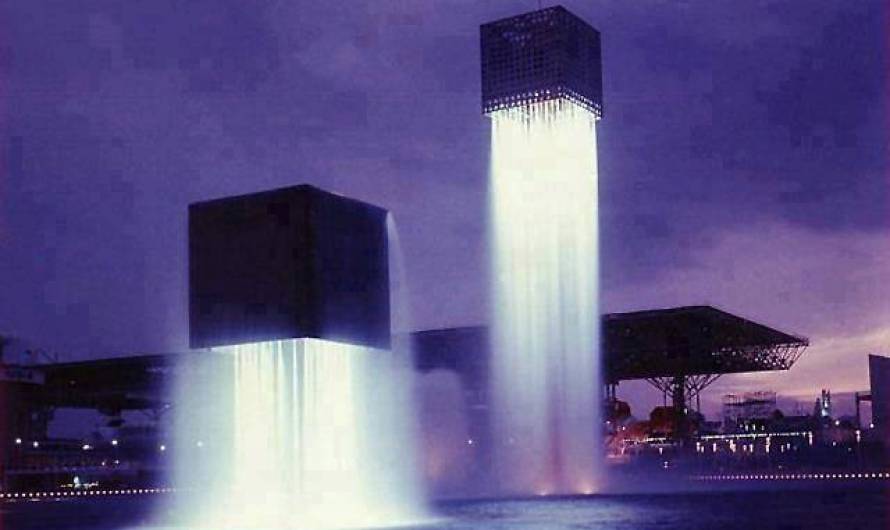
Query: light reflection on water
{"type": "Point", "coordinates": [787, 510]}
{"type": "Point", "coordinates": [763, 510]}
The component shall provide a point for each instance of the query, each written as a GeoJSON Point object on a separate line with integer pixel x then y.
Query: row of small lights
{"type": "Point", "coordinates": [57, 494]}
{"type": "Point", "coordinates": [87, 447]}
{"type": "Point", "coordinates": [506, 102]}
{"type": "Point", "coordinates": [753, 435]}
{"type": "Point", "coordinates": [733, 446]}
{"type": "Point", "coordinates": [800, 476]}
{"type": "Point", "coordinates": [732, 437]}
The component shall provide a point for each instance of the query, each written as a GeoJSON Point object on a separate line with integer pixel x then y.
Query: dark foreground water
{"type": "Point", "coordinates": [775, 510]}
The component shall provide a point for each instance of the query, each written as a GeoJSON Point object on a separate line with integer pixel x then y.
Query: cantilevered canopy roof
{"type": "Point", "coordinates": [655, 344]}
{"type": "Point", "coordinates": [693, 340]}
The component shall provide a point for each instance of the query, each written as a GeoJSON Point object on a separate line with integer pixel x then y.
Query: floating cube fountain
{"type": "Point", "coordinates": [292, 285]}
{"type": "Point", "coordinates": [542, 90]}
{"type": "Point", "coordinates": [295, 262]}
{"type": "Point", "coordinates": [544, 55]}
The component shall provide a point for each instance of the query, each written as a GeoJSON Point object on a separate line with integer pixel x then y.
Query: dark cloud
{"type": "Point", "coordinates": [727, 114]}
{"type": "Point", "coordinates": [220, 45]}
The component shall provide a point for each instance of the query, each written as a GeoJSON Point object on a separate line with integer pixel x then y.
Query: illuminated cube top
{"type": "Point", "coordinates": [539, 56]}
{"type": "Point", "coordinates": [296, 262]}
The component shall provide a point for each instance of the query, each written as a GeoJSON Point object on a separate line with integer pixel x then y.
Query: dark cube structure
{"type": "Point", "coordinates": [296, 262]}
{"type": "Point", "coordinates": [539, 56]}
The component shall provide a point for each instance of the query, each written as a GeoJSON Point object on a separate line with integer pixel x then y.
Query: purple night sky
{"type": "Point", "coordinates": [743, 158]}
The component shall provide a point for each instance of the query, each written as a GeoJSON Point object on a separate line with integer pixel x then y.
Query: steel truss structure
{"type": "Point", "coordinates": [680, 351]}
{"type": "Point", "coordinates": [683, 389]}
{"type": "Point", "coordinates": [683, 350]}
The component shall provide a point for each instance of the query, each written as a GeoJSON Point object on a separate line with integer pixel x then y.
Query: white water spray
{"type": "Point", "coordinates": [316, 438]}
{"type": "Point", "coordinates": [299, 434]}
{"type": "Point", "coordinates": [546, 372]}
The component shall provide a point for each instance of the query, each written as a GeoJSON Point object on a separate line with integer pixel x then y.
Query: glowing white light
{"type": "Point", "coordinates": [35, 444]}
{"type": "Point", "coordinates": [114, 443]}
{"type": "Point", "coordinates": [545, 270]}
{"type": "Point", "coordinates": [18, 441]}
{"type": "Point", "coordinates": [163, 447]}
{"type": "Point", "coordinates": [318, 440]}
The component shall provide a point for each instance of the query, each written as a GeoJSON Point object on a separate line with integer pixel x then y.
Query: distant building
{"type": "Point", "coordinates": [740, 408]}
{"type": "Point", "coordinates": [879, 378]}
{"type": "Point", "coordinates": [822, 408]}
